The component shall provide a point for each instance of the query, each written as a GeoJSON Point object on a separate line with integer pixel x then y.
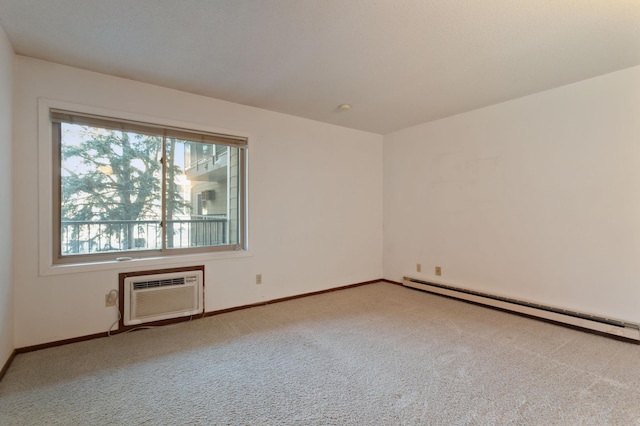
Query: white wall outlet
{"type": "Point", "coordinates": [259, 279]}
{"type": "Point", "coordinates": [110, 299]}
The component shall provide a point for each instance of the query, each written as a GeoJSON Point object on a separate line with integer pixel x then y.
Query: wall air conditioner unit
{"type": "Point", "coordinates": [162, 296]}
{"type": "Point", "coordinates": [209, 195]}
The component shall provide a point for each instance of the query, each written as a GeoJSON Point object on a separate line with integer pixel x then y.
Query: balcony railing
{"type": "Point", "coordinates": [100, 236]}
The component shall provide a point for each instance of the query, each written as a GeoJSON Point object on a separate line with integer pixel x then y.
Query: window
{"type": "Point", "coordinates": [128, 189]}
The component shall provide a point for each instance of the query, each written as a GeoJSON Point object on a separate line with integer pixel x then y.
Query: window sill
{"type": "Point", "coordinates": [140, 263]}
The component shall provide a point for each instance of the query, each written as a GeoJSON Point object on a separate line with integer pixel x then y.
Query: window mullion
{"type": "Point", "coordinates": [56, 193]}
{"type": "Point", "coordinates": [163, 214]}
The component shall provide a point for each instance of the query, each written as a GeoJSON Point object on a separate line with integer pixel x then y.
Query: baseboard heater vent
{"type": "Point", "coordinates": [601, 324]}
{"type": "Point", "coordinates": [149, 298]}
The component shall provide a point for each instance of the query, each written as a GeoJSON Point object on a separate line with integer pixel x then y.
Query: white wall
{"type": "Point", "coordinates": [314, 200]}
{"type": "Point", "coordinates": [6, 128]}
{"type": "Point", "coordinates": [537, 198]}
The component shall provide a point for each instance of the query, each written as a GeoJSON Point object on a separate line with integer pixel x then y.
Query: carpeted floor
{"type": "Point", "coordinates": [373, 355]}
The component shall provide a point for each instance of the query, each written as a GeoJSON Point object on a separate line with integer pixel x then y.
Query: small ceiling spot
{"type": "Point", "coordinates": [344, 107]}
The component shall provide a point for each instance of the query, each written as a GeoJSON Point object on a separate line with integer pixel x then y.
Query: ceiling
{"type": "Point", "coordinates": [397, 62]}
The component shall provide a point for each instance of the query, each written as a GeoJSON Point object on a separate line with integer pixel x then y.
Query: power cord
{"type": "Point", "coordinates": [113, 296]}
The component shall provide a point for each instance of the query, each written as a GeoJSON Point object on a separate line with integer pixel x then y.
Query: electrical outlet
{"type": "Point", "coordinates": [109, 299]}
{"type": "Point", "coordinates": [438, 270]}
{"type": "Point", "coordinates": [418, 267]}
{"type": "Point", "coordinates": [259, 279]}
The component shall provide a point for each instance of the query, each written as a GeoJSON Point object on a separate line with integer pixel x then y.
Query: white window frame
{"type": "Point", "coordinates": [48, 265]}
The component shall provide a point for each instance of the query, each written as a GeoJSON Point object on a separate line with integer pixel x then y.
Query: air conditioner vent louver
{"type": "Point", "coordinates": [158, 283]}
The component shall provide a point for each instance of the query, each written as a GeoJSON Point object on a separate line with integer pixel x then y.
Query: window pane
{"type": "Point", "coordinates": [113, 193]}
{"type": "Point", "coordinates": [202, 194]}
{"type": "Point", "coordinates": [110, 192]}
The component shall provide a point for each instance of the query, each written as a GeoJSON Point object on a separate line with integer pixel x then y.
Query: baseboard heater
{"type": "Point", "coordinates": [592, 322]}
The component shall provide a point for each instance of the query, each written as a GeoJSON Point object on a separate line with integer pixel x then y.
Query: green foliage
{"type": "Point", "coordinates": [111, 176]}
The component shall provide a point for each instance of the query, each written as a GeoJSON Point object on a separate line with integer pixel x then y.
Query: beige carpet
{"type": "Point", "coordinates": [373, 355]}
